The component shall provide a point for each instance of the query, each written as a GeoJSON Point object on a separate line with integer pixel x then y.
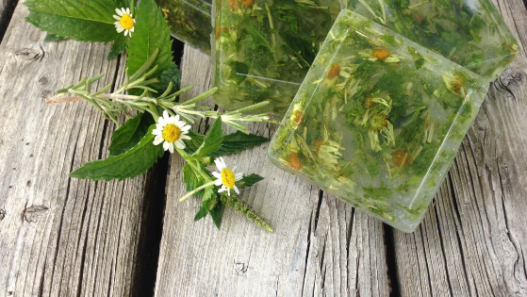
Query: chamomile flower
{"type": "Point", "coordinates": [379, 55]}
{"type": "Point", "coordinates": [171, 131]}
{"type": "Point", "coordinates": [125, 21]}
{"type": "Point", "coordinates": [226, 177]}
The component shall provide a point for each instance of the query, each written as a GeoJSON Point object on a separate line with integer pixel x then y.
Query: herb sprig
{"type": "Point", "coordinates": [148, 99]}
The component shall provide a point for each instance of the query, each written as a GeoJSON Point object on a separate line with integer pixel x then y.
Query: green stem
{"type": "Point", "coordinates": [210, 184]}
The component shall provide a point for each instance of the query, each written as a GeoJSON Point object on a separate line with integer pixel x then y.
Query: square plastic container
{"type": "Point", "coordinates": [471, 33]}
{"type": "Point", "coordinates": [190, 21]}
{"type": "Point", "coordinates": [264, 48]}
{"type": "Point", "coordinates": [378, 120]}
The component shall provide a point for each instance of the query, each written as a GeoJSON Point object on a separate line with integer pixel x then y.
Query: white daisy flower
{"type": "Point", "coordinates": [226, 177]}
{"type": "Point", "coordinates": [125, 21]}
{"type": "Point", "coordinates": [171, 131]}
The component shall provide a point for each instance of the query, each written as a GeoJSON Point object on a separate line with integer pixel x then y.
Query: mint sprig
{"type": "Point", "coordinates": [151, 33]}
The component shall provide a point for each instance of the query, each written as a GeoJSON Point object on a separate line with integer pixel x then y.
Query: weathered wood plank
{"type": "Point", "coordinates": [321, 246]}
{"type": "Point", "coordinates": [59, 236]}
{"type": "Point", "coordinates": [473, 242]}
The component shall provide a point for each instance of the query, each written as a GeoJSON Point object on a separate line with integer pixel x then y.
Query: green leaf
{"type": "Point", "coordinates": [249, 180]}
{"type": "Point", "coordinates": [118, 46]}
{"type": "Point", "coordinates": [212, 142]}
{"type": "Point", "coordinates": [203, 210]}
{"type": "Point", "coordinates": [232, 143]}
{"type": "Point", "coordinates": [192, 180]}
{"type": "Point", "coordinates": [211, 206]}
{"type": "Point", "coordinates": [217, 214]}
{"type": "Point", "coordinates": [151, 33]}
{"type": "Point", "coordinates": [129, 134]}
{"type": "Point", "coordinates": [52, 38]}
{"type": "Point", "coordinates": [192, 145]}
{"type": "Point", "coordinates": [128, 165]}
{"type": "Point", "coordinates": [171, 75]}
{"type": "Point", "coordinates": [237, 142]}
{"type": "Point", "coordinates": [81, 20]}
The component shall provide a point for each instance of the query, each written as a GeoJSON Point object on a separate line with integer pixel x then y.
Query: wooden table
{"type": "Point", "coordinates": [69, 237]}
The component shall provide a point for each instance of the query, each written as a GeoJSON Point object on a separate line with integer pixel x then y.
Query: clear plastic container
{"type": "Point", "coordinates": [263, 49]}
{"type": "Point", "coordinates": [190, 21]}
{"type": "Point", "coordinates": [378, 120]}
{"type": "Point", "coordinates": [268, 61]}
{"type": "Point", "coordinates": [471, 33]}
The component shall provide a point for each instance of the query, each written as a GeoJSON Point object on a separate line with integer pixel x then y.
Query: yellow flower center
{"type": "Point", "coordinates": [227, 178]}
{"type": "Point", "coordinates": [171, 133]}
{"type": "Point", "coordinates": [381, 54]}
{"type": "Point", "coordinates": [378, 122]}
{"type": "Point", "coordinates": [127, 22]}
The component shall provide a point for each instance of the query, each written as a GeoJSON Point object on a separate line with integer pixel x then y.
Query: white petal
{"type": "Point", "coordinates": [130, 33]}
{"type": "Point", "coordinates": [171, 148]}
{"type": "Point", "coordinates": [218, 182]}
{"type": "Point", "coordinates": [166, 116]}
{"type": "Point", "coordinates": [219, 164]}
{"type": "Point", "coordinates": [185, 128]}
{"type": "Point", "coordinates": [222, 189]}
{"type": "Point", "coordinates": [236, 189]}
{"type": "Point", "coordinates": [128, 11]}
{"type": "Point", "coordinates": [185, 137]}
{"type": "Point", "coordinates": [223, 162]}
{"type": "Point", "coordinates": [158, 140]}
{"type": "Point", "coordinates": [167, 145]}
{"type": "Point", "coordinates": [238, 176]}
{"type": "Point", "coordinates": [216, 174]}
{"type": "Point", "coordinates": [229, 191]}
{"type": "Point", "coordinates": [180, 144]}
{"type": "Point", "coordinates": [117, 17]}
{"type": "Point", "coordinates": [177, 117]}
{"type": "Point", "coordinates": [119, 12]}
{"type": "Point", "coordinates": [132, 30]}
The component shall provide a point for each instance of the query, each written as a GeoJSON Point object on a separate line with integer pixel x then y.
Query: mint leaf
{"type": "Point", "coordinates": [193, 180]}
{"type": "Point", "coordinates": [171, 75]}
{"type": "Point", "coordinates": [81, 20]}
{"type": "Point", "coordinates": [237, 142]}
{"type": "Point", "coordinates": [217, 214]}
{"type": "Point", "coordinates": [151, 33]}
{"type": "Point", "coordinates": [129, 134]}
{"type": "Point", "coordinates": [211, 206]}
{"type": "Point", "coordinates": [249, 180]}
{"type": "Point", "coordinates": [192, 145]}
{"type": "Point", "coordinates": [203, 210]}
{"type": "Point", "coordinates": [190, 179]}
{"type": "Point", "coordinates": [232, 143]}
{"type": "Point", "coordinates": [52, 38]}
{"type": "Point", "coordinates": [211, 142]}
{"type": "Point", "coordinates": [128, 165]}
{"type": "Point", "coordinates": [118, 46]}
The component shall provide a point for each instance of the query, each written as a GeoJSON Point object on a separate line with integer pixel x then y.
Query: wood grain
{"type": "Point", "coordinates": [59, 236]}
{"type": "Point", "coordinates": [321, 246]}
{"type": "Point", "coordinates": [473, 241]}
